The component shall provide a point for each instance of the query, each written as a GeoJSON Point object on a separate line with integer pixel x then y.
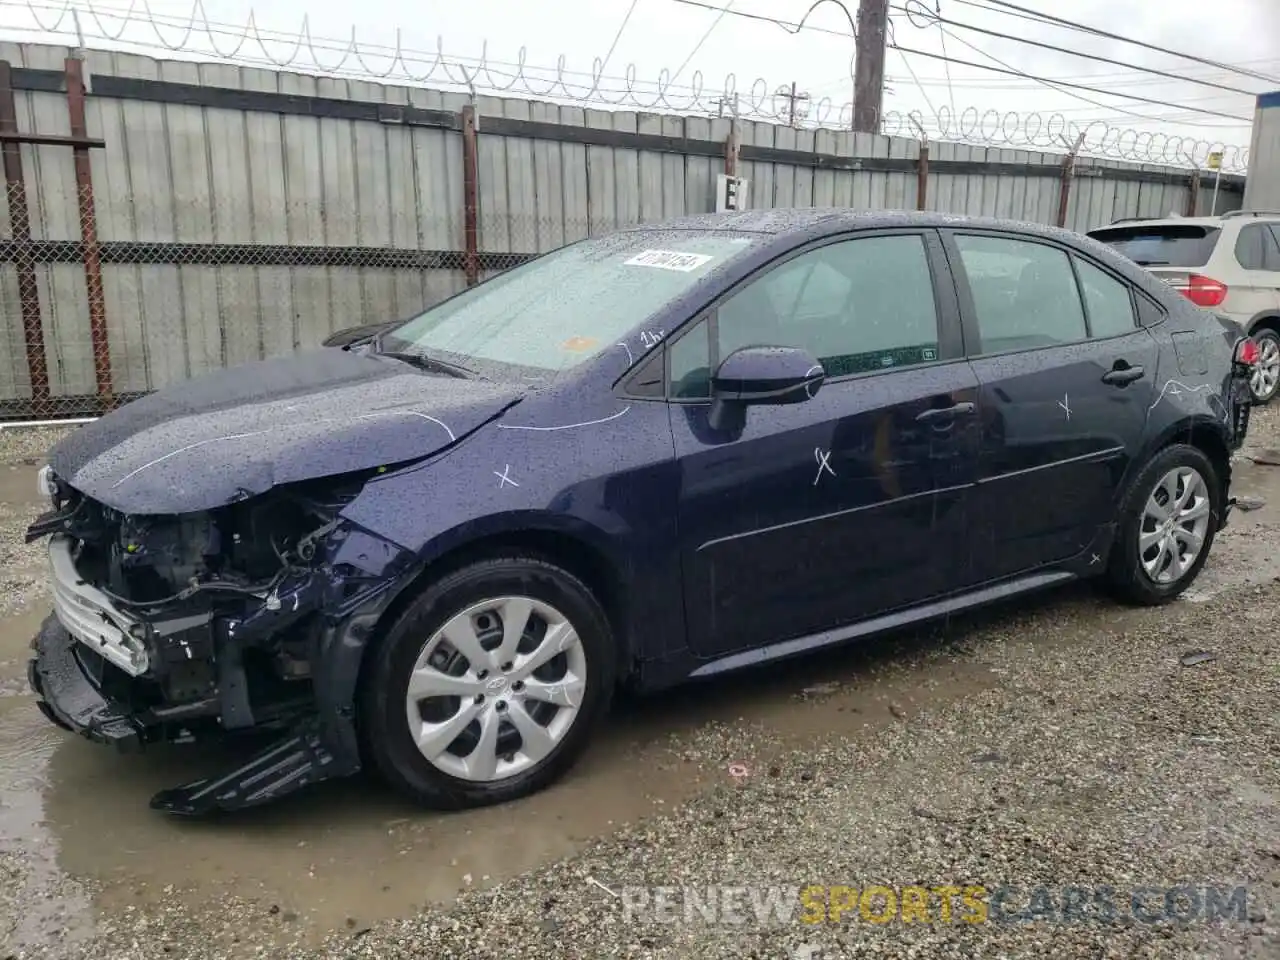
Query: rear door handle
{"type": "Point", "coordinates": [945, 413]}
{"type": "Point", "coordinates": [1119, 376]}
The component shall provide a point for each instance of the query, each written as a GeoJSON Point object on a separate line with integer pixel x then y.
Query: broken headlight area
{"type": "Point", "coordinates": [184, 627]}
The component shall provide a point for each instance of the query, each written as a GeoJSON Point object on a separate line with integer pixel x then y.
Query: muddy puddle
{"type": "Point", "coordinates": [352, 852]}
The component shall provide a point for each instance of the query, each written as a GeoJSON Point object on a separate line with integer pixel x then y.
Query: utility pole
{"type": "Point", "coordinates": [868, 74]}
{"type": "Point", "coordinates": [793, 98]}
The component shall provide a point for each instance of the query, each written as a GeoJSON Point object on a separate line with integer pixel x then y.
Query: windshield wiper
{"type": "Point", "coordinates": [1152, 263]}
{"type": "Point", "coordinates": [431, 364]}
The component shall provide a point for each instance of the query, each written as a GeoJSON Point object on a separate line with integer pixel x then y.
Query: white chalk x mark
{"type": "Point", "coordinates": [1065, 404]}
{"type": "Point", "coordinates": [505, 477]}
{"type": "Point", "coordinates": [823, 457]}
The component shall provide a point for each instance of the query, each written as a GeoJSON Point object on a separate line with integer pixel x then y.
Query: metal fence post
{"type": "Point", "coordinates": [470, 194]}
{"type": "Point", "coordinates": [20, 228]}
{"type": "Point", "coordinates": [922, 165]}
{"type": "Point", "coordinates": [732, 143]}
{"type": "Point", "coordinates": [1068, 173]}
{"type": "Point", "coordinates": [1193, 193]}
{"type": "Point", "coordinates": [922, 177]}
{"type": "Point", "coordinates": [89, 233]}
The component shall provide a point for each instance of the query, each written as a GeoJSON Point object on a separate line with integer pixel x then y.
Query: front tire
{"type": "Point", "coordinates": [487, 687]}
{"type": "Point", "coordinates": [1265, 380]}
{"type": "Point", "coordinates": [1166, 527]}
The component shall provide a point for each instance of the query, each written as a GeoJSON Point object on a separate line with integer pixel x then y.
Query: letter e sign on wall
{"type": "Point", "coordinates": [731, 193]}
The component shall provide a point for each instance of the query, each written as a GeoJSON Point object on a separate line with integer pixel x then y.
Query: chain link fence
{"type": "Point", "coordinates": [88, 323]}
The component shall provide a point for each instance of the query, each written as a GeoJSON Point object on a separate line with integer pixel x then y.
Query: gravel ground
{"type": "Point", "coordinates": [21, 565]}
{"type": "Point", "coordinates": [1095, 758]}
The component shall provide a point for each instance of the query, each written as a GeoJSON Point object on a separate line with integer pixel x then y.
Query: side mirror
{"type": "Point", "coordinates": [761, 375]}
{"type": "Point", "coordinates": [756, 375]}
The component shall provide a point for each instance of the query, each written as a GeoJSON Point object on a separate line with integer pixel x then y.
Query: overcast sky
{"type": "Point", "coordinates": [665, 34]}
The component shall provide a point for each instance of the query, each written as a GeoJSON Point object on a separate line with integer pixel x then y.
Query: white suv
{"type": "Point", "coordinates": [1228, 264]}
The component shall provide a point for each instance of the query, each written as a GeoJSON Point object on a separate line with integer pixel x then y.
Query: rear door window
{"type": "Point", "coordinates": [1024, 293]}
{"type": "Point", "coordinates": [1108, 301]}
{"type": "Point", "coordinates": [1251, 250]}
{"type": "Point", "coordinates": [1271, 251]}
{"type": "Point", "coordinates": [1161, 245]}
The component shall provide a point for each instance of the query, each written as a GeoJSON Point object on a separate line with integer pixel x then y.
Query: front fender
{"type": "Point", "coordinates": [608, 479]}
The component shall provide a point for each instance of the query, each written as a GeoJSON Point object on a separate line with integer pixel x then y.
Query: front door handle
{"type": "Point", "coordinates": [945, 413]}
{"type": "Point", "coordinates": [1120, 376]}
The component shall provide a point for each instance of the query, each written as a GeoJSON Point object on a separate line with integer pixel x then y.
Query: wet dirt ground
{"type": "Point", "coordinates": [352, 849]}
{"type": "Point", "coordinates": [348, 855]}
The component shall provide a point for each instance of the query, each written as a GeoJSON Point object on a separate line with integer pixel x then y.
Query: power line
{"type": "Point", "coordinates": [1058, 87]}
{"type": "Point", "coordinates": [1036, 16]}
{"type": "Point", "coordinates": [923, 12]}
{"type": "Point", "coordinates": [1006, 69]}
{"type": "Point", "coordinates": [618, 36]}
{"type": "Point", "coordinates": [727, 8]}
{"type": "Point", "coordinates": [919, 86]}
{"type": "Point", "coordinates": [791, 28]}
{"type": "Point", "coordinates": [1128, 77]}
{"type": "Point", "coordinates": [951, 92]}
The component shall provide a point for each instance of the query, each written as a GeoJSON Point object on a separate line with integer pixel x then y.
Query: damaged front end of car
{"type": "Point", "coordinates": [245, 617]}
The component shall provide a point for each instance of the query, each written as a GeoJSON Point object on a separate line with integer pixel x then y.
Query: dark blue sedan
{"type": "Point", "coordinates": [665, 453]}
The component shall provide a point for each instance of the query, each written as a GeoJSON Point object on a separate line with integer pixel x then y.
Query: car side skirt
{"type": "Point", "coordinates": [1090, 561]}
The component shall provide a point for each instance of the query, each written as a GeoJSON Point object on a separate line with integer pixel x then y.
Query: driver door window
{"type": "Point", "coordinates": [859, 306]}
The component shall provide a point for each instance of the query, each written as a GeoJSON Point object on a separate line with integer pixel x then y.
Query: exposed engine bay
{"type": "Point", "coordinates": [203, 623]}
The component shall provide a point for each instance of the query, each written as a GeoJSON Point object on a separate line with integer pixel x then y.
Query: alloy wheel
{"type": "Point", "coordinates": [496, 689]}
{"type": "Point", "coordinates": [1175, 523]}
{"type": "Point", "coordinates": [1266, 373]}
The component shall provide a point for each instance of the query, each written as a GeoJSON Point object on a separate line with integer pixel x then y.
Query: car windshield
{"type": "Point", "coordinates": [1165, 245]}
{"type": "Point", "coordinates": [561, 309]}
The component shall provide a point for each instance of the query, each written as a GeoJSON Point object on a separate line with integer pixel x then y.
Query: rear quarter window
{"type": "Point", "coordinates": [1162, 245]}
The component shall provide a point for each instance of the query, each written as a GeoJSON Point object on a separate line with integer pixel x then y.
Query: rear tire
{"type": "Point", "coordinates": [1265, 381]}
{"type": "Point", "coordinates": [1173, 506]}
{"type": "Point", "coordinates": [509, 719]}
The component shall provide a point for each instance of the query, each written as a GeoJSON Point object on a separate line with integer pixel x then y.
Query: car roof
{"type": "Point", "coordinates": [820, 220]}
{"type": "Point", "coordinates": [1140, 222]}
{"type": "Point", "coordinates": [1220, 221]}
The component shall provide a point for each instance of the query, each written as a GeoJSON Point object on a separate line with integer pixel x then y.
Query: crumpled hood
{"type": "Point", "coordinates": [241, 431]}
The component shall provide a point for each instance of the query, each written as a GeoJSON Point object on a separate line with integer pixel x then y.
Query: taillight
{"type": "Point", "coordinates": [1204, 291]}
{"type": "Point", "coordinates": [1247, 352]}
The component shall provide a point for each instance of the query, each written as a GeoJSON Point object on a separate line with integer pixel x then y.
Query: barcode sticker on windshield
{"type": "Point", "coordinates": [669, 260]}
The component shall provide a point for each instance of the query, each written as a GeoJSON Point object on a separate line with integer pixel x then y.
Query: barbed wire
{"type": "Point", "coordinates": [197, 34]}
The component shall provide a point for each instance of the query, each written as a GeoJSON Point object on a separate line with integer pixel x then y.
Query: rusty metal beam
{"type": "Point", "coordinates": [470, 195]}
{"type": "Point", "coordinates": [20, 227]}
{"type": "Point", "coordinates": [89, 230]}
{"type": "Point", "coordinates": [922, 178]}
{"type": "Point", "coordinates": [51, 140]}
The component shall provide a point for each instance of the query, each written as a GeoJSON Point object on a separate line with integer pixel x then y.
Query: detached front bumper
{"type": "Point", "coordinates": [68, 696]}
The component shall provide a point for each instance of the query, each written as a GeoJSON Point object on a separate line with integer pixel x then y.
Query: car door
{"type": "Point", "coordinates": [819, 513]}
{"type": "Point", "coordinates": [1067, 378]}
